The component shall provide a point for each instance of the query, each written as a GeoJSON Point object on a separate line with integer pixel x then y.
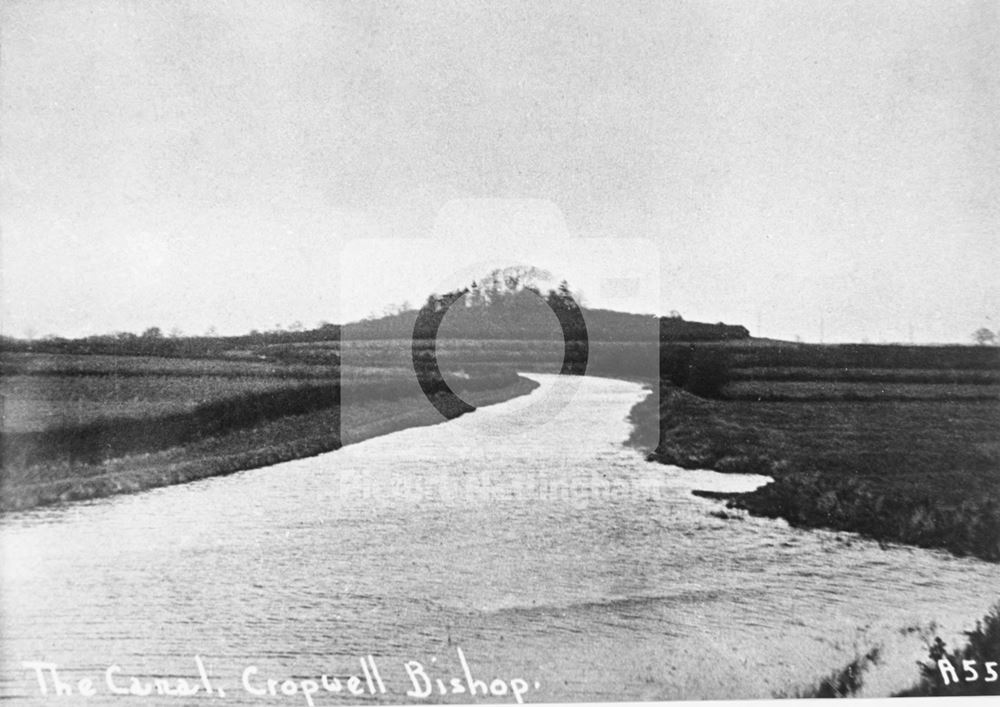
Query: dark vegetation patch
{"type": "Point", "coordinates": [846, 682]}
{"type": "Point", "coordinates": [920, 466]}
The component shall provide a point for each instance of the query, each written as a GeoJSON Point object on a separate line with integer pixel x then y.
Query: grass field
{"type": "Point", "coordinates": [848, 391]}
{"type": "Point", "coordinates": [868, 375]}
{"type": "Point", "coordinates": [33, 403]}
{"type": "Point", "coordinates": [895, 357]}
{"type": "Point", "coordinates": [238, 364]}
{"type": "Point", "coordinates": [69, 420]}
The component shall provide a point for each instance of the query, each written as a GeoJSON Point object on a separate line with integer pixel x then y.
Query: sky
{"type": "Point", "coordinates": [823, 170]}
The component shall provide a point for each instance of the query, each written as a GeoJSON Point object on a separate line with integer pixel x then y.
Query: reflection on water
{"type": "Point", "coordinates": [528, 536]}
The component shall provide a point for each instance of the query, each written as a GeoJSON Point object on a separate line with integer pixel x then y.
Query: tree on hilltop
{"type": "Point", "coordinates": [984, 336]}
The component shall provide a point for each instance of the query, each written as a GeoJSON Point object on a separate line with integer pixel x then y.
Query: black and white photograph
{"type": "Point", "coordinates": [409, 352]}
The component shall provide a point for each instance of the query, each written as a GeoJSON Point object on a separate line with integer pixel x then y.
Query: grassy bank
{"type": "Point", "coordinates": [283, 439]}
{"type": "Point", "coordinates": [969, 670]}
{"type": "Point", "coordinates": [917, 472]}
{"type": "Point", "coordinates": [86, 426]}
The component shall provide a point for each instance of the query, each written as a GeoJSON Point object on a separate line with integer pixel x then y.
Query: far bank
{"type": "Point", "coordinates": [921, 472]}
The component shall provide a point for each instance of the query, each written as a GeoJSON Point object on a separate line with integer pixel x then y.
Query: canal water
{"type": "Point", "coordinates": [524, 546]}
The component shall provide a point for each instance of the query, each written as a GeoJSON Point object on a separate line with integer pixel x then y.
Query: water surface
{"type": "Point", "coordinates": [525, 534]}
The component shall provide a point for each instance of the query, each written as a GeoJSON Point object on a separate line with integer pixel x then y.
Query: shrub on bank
{"type": "Point", "coordinates": [702, 371]}
{"type": "Point", "coordinates": [846, 682]}
{"type": "Point", "coordinates": [709, 374]}
{"type": "Point", "coordinates": [971, 670]}
{"type": "Point", "coordinates": [896, 515]}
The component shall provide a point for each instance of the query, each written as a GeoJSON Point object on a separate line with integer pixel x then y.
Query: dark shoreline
{"type": "Point", "coordinates": [285, 439]}
{"type": "Point", "coordinates": [698, 434]}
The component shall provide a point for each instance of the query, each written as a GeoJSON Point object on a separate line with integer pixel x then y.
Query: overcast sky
{"type": "Point", "coordinates": [228, 164]}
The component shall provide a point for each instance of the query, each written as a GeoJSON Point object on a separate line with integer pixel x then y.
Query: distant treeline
{"type": "Point", "coordinates": [128, 344]}
{"type": "Point", "coordinates": [602, 325]}
{"type": "Point", "coordinates": [501, 306]}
